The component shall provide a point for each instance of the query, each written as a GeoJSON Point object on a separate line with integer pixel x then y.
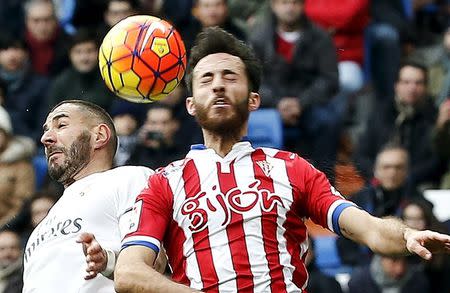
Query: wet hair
{"type": "Point", "coordinates": [98, 113]}
{"type": "Point", "coordinates": [214, 40]}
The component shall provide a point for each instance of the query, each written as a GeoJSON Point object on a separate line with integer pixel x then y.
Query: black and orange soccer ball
{"type": "Point", "coordinates": [142, 59]}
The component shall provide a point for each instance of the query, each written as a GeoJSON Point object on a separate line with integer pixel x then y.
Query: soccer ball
{"type": "Point", "coordinates": [142, 59]}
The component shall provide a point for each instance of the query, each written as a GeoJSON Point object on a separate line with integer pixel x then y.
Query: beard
{"type": "Point", "coordinates": [76, 158]}
{"type": "Point", "coordinates": [228, 125]}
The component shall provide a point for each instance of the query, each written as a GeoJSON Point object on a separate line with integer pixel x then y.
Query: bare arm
{"type": "Point", "coordinates": [390, 236]}
{"type": "Point", "coordinates": [134, 273]}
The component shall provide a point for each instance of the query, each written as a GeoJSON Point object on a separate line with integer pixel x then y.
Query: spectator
{"type": "Point", "coordinates": [45, 38]}
{"type": "Point", "coordinates": [247, 13]}
{"type": "Point", "coordinates": [418, 214]}
{"type": "Point", "coordinates": [16, 170]}
{"type": "Point", "coordinates": [207, 13]}
{"type": "Point", "coordinates": [157, 145]}
{"type": "Point", "coordinates": [126, 122]}
{"type": "Point", "coordinates": [382, 197]}
{"type": "Point", "coordinates": [82, 80]}
{"type": "Point", "coordinates": [116, 10]}
{"type": "Point", "coordinates": [346, 22]}
{"type": "Point", "coordinates": [318, 282]}
{"type": "Point", "coordinates": [408, 120]}
{"type": "Point", "coordinates": [388, 274]}
{"type": "Point", "coordinates": [300, 77]}
{"type": "Point", "coordinates": [390, 28]}
{"type": "Point", "coordinates": [441, 140]}
{"type": "Point", "coordinates": [25, 92]}
{"type": "Point", "coordinates": [10, 262]}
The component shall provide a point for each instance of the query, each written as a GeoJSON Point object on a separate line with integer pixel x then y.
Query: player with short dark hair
{"type": "Point", "coordinates": [231, 217]}
{"type": "Point", "coordinates": [80, 142]}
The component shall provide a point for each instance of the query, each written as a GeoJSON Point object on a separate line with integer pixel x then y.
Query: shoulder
{"type": "Point", "coordinates": [129, 172]}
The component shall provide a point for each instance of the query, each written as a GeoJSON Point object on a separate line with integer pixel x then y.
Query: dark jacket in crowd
{"type": "Point", "coordinates": [312, 76]}
{"type": "Point", "coordinates": [388, 124]}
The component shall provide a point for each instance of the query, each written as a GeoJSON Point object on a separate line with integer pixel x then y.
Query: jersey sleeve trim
{"type": "Point", "coordinates": [334, 212]}
{"type": "Point", "coordinates": [146, 241]}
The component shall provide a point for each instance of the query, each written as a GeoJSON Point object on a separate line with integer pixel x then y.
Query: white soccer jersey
{"type": "Point", "coordinates": [235, 224]}
{"type": "Point", "coordinates": [98, 204]}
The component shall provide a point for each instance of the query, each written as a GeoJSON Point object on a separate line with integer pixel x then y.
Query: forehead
{"type": "Point", "coordinates": [409, 72]}
{"type": "Point", "coordinates": [393, 155]}
{"type": "Point", "coordinates": [70, 110]}
{"type": "Point", "coordinates": [219, 62]}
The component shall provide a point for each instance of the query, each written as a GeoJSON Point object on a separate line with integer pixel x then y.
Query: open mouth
{"type": "Point", "coordinates": [221, 102]}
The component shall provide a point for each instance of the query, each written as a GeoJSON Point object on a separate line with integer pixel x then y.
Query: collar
{"type": "Point", "coordinates": [201, 146]}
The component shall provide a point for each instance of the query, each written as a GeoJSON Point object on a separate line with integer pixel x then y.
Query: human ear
{"type": "Point", "coordinates": [102, 136]}
{"type": "Point", "coordinates": [190, 107]}
{"type": "Point", "coordinates": [254, 101]}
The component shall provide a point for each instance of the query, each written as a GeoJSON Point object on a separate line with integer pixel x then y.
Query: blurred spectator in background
{"type": "Point", "coordinates": [10, 262]}
{"type": "Point", "coordinates": [248, 13]}
{"type": "Point", "coordinates": [346, 21]}
{"type": "Point", "coordinates": [437, 60]}
{"type": "Point", "coordinates": [318, 282]}
{"type": "Point", "coordinates": [408, 121]}
{"type": "Point", "coordinates": [207, 13]}
{"type": "Point", "coordinates": [383, 196]}
{"type": "Point", "coordinates": [16, 171]}
{"type": "Point", "coordinates": [388, 274]}
{"type": "Point", "coordinates": [32, 213]}
{"type": "Point", "coordinates": [26, 90]}
{"type": "Point", "coordinates": [82, 80]}
{"type": "Point", "coordinates": [300, 77]}
{"type": "Point", "coordinates": [157, 142]}
{"type": "Point", "coordinates": [45, 39]}
{"type": "Point", "coordinates": [390, 29]}
{"type": "Point", "coordinates": [126, 122]}
{"type": "Point", "coordinates": [441, 140]}
{"type": "Point", "coordinates": [116, 10]}
{"type": "Point", "coordinates": [386, 191]}
{"type": "Point", "coordinates": [418, 214]}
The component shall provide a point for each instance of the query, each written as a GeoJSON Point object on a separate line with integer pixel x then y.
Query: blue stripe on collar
{"type": "Point", "coordinates": [201, 146]}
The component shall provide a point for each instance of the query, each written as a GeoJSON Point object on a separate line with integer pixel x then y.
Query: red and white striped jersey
{"type": "Point", "coordinates": [235, 223]}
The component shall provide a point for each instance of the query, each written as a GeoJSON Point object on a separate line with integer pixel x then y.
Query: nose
{"type": "Point", "coordinates": [218, 85]}
{"type": "Point", "coordinates": [48, 138]}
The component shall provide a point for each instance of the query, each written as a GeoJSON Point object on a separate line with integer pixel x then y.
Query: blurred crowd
{"type": "Point", "coordinates": [362, 89]}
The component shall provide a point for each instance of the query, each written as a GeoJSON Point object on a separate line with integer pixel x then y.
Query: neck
{"type": "Point", "coordinates": [92, 167]}
{"type": "Point", "coordinates": [222, 144]}
{"type": "Point", "coordinates": [288, 28]}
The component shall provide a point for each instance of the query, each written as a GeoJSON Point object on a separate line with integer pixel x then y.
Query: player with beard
{"type": "Point", "coordinates": [231, 217]}
{"type": "Point", "coordinates": [80, 142]}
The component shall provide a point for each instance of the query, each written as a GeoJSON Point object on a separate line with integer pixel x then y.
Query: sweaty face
{"type": "Point", "coordinates": [67, 142]}
{"type": "Point", "coordinates": [220, 93]}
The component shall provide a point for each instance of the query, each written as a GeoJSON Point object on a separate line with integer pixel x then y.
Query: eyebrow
{"type": "Point", "coordinates": [55, 118]}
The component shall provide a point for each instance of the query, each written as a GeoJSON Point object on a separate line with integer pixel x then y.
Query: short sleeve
{"type": "Point", "coordinates": [151, 214]}
{"type": "Point", "coordinates": [321, 201]}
